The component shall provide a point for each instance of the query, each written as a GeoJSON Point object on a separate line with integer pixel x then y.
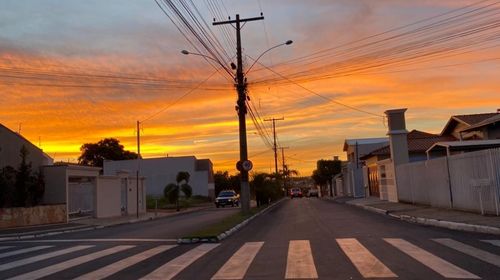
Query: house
{"type": "Point", "coordinates": [473, 127]}
{"type": "Point", "coordinates": [161, 171]}
{"type": "Point", "coordinates": [87, 193]}
{"type": "Point", "coordinates": [10, 147]}
{"type": "Point", "coordinates": [353, 181]}
{"type": "Point", "coordinates": [418, 144]}
{"type": "Point", "coordinates": [442, 149]}
{"type": "Point", "coordinates": [488, 129]}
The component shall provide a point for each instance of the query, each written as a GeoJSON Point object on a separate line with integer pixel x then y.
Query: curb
{"type": "Point", "coordinates": [14, 236]}
{"type": "Point", "coordinates": [229, 232]}
{"type": "Point", "coordinates": [433, 222]}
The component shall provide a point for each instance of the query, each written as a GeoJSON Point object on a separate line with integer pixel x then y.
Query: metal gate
{"type": "Point", "coordinates": [81, 198]}
{"type": "Point", "coordinates": [373, 182]}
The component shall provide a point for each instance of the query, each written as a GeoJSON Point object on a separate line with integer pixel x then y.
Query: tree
{"type": "Point", "coordinates": [7, 186]}
{"type": "Point", "coordinates": [224, 181]}
{"type": "Point", "coordinates": [266, 187]}
{"type": "Point", "coordinates": [94, 154]}
{"type": "Point", "coordinates": [325, 171]}
{"type": "Point", "coordinates": [172, 191]}
{"type": "Point", "coordinates": [28, 187]}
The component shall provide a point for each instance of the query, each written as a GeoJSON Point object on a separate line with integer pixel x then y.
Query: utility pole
{"type": "Point", "coordinates": [138, 166]}
{"type": "Point", "coordinates": [285, 168]}
{"type": "Point", "coordinates": [244, 165]}
{"type": "Point", "coordinates": [275, 148]}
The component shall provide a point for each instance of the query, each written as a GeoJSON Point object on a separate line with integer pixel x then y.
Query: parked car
{"type": "Point", "coordinates": [313, 193]}
{"type": "Point", "coordinates": [227, 197]}
{"type": "Point", "coordinates": [295, 192]}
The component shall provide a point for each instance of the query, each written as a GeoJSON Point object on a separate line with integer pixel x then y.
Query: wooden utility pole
{"type": "Point", "coordinates": [243, 165]}
{"type": "Point", "coordinates": [275, 146]}
{"type": "Point", "coordinates": [138, 166]}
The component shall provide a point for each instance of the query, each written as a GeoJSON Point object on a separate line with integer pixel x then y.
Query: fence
{"type": "Point", "coordinates": [468, 181]}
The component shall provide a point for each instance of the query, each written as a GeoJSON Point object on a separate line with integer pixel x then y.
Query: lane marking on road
{"type": "Point", "coordinates": [122, 264]}
{"type": "Point", "coordinates": [300, 262]}
{"type": "Point", "coordinates": [22, 251]}
{"type": "Point", "coordinates": [494, 242]}
{"type": "Point", "coordinates": [43, 257]}
{"type": "Point", "coordinates": [99, 240]}
{"type": "Point", "coordinates": [175, 266]}
{"type": "Point", "coordinates": [469, 250]}
{"type": "Point", "coordinates": [236, 267]}
{"type": "Point", "coordinates": [366, 263]}
{"type": "Point", "coordinates": [37, 274]}
{"type": "Point", "coordinates": [433, 262]}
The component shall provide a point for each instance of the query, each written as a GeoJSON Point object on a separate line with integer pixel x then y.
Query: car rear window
{"type": "Point", "coordinates": [226, 194]}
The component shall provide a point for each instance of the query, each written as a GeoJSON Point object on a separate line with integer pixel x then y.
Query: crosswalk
{"type": "Point", "coordinates": [98, 261]}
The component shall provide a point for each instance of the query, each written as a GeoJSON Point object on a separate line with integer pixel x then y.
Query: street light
{"type": "Point", "coordinates": [289, 42]}
{"type": "Point", "coordinates": [243, 165]}
{"type": "Point", "coordinates": [186, 52]}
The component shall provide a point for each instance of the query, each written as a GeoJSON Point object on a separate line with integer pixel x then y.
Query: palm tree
{"type": "Point", "coordinates": [172, 191]}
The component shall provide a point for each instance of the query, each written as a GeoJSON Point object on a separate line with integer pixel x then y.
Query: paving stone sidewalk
{"type": "Point", "coordinates": [421, 214]}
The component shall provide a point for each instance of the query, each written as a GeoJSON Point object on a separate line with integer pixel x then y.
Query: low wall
{"type": "Point", "coordinates": [30, 216]}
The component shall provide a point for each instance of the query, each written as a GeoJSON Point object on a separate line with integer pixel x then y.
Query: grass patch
{"type": "Point", "coordinates": [193, 201]}
{"type": "Point", "coordinates": [226, 224]}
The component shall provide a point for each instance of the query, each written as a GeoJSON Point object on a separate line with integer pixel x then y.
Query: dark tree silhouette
{"type": "Point", "coordinates": [94, 154]}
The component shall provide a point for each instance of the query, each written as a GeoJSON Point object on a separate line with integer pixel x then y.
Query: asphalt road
{"type": "Point", "coordinates": [298, 239]}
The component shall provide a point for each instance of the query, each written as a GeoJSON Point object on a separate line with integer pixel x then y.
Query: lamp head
{"type": "Point", "coordinates": [184, 52]}
{"type": "Point", "coordinates": [289, 42]}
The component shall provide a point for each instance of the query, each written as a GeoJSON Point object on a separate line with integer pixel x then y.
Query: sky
{"type": "Point", "coordinates": [92, 40]}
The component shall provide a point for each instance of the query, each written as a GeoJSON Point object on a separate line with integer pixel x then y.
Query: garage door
{"type": "Point", "coordinates": [81, 198]}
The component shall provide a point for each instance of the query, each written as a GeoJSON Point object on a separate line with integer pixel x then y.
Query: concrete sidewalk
{"type": "Point", "coordinates": [427, 215]}
{"type": "Point", "coordinates": [89, 224]}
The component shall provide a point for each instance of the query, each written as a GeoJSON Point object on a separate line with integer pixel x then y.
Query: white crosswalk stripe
{"type": "Point", "coordinates": [494, 242]}
{"type": "Point", "coordinates": [433, 262]}
{"type": "Point", "coordinates": [37, 274]}
{"type": "Point", "coordinates": [22, 251]}
{"type": "Point", "coordinates": [173, 267]}
{"type": "Point", "coordinates": [237, 266]}
{"type": "Point", "coordinates": [26, 261]}
{"type": "Point", "coordinates": [5, 247]}
{"type": "Point", "coordinates": [122, 264]}
{"type": "Point", "coordinates": [471, 251]}
{"type": "Point", "coordinates": [366, 263]}
{"type": "Point", "coordinates": [300, 262]}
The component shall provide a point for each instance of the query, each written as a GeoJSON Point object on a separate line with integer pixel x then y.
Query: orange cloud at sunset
{"type": "Point", "coordinates": [65, 93]}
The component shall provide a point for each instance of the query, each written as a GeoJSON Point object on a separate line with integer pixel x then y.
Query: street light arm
{"type": "Point", "coordinates": [289, 42]}
{"type": "Point", "coordinates": [186, 52]}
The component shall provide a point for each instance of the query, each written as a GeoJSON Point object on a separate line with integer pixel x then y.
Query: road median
{"type": "Point", "coordinates": [223, 229]}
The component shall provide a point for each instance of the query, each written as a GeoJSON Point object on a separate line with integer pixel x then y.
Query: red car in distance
{"type": "Point", "coordinates": [295, 192]}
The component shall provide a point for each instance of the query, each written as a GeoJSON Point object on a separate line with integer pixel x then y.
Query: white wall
{"type": "Point", "coordinates": [55, 184]}
{"type": "Point", "coordinates": [161, 171]}
{"type": "Point", "coordinates": [132, 196]}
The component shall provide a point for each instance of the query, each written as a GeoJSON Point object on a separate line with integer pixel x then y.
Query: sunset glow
{"type": "Point", "coordinates": [80, 71]}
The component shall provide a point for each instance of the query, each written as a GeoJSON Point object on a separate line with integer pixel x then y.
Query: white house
{"type": "Point", "coordinates": [87, 193]}
{"type": "Point", "coordinates": [161, 171]}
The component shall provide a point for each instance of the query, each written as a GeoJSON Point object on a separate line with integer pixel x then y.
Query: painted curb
{"type": "Point", "coordinates": [228, 232]}
{"type": "Point", "coordinates": [433, 222]}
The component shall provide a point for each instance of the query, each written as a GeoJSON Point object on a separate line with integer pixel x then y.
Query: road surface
{"type": "Point", "coordinates": [298, 239]}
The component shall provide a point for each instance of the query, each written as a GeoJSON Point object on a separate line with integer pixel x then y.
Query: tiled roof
{"type": "Point", "coordinates": [475, 118]}
{"type": "Point", "coordinates": [486, 122]}
{"type": "Point", "coordinates": [418, 142]}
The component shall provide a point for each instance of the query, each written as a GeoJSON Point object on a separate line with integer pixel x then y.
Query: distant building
{"type": "Point", "coordinates": [10, 147]}
{"type": "Point", "coordinates": [161, 171]}
{"type": "Point", "coordinates": [353, 181]}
